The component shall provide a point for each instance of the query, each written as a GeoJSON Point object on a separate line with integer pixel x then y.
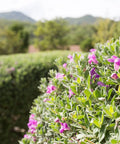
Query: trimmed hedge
{"type": "Point", "coordinates": [19, 78]}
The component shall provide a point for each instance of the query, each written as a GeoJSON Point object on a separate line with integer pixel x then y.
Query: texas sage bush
{"type": "Point", "coordinates": [80, 104]}
{"type": "Point", "coordinates": [19, 78]}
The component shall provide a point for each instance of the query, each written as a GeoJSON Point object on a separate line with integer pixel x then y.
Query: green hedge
{"type": "Point", "coordinates": [19, 78]}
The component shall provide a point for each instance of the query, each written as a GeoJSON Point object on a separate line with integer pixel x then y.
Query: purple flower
{"type": "Point", "coordinates": [71, 75]}
{"type": "Point", "coordinates": [59, 76]}
{"type": "Point", "coordinates": [112, 59]}
{"type": "Point", "coordinates": [71, 58]}
{"type": "Point", "coordinates": [32, 124]}
{"type": "Point", "coordinates": [92, 58]}
{"type": "Point", "coordinates": [92, 50]}
{"type": "Point", "coordinates": [65, 65]}
{"type": "Point", "coordinates": [100, 83]}
{"type": "Point", "coordinates": [32, 116]}
{"type": "Point", "coordinates": [71, 93]}
{"type": "Point", "coordinates": [64, 126]}
{"type": "Point", "coordinates": [10, 70]}
{"type": "Point", "coordinates": [75, 78]}
{"type": "Point", "coordinates": [116, 62]}
{"type": "Point", "coordinates": [34, 139]}
{"type": "Point", "coordinates": [61, 130]}
{"type": "Point", "coordinates": [93, 73]}
{"type": "Point", "coordinates": [114, 76]}
{"type": "Point", "coordinates": [57, 120]}
{"type": "Point", "coordinates": [46, 99]}
{"type": "Point", "coordinates": [27, 136]}
{"type": "Point", "coordinates": [50, 89]}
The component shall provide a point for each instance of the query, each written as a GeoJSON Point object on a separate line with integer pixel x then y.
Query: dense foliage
{"type": "Point", "coordinates": [51, 35]}
{"type": "Point", "coordinates": [81, 102]}
{"type": "Point", "coordinates": [56, 34]}
{"type": "Point", "coordinates": [19, 79]}
{"type": "Point", "coordinates": [14, 39]}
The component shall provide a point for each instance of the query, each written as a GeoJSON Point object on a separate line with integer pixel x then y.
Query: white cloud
{"type": "Point", "coordinates": [48, 9]}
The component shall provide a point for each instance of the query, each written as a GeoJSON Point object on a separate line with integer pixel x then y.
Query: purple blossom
{"type": "Point", "coordinates": [59, 76]}
{"type": "Point", "coordinates": [92, 58]}
{"type": "Point", "coordinates": [71, 58]}
{"type": "Point", "coordinates": [64, 126]}
{"type": "Point", "coordinates": [93, 73]}
{"type": "Point", "coordinates": [32, 124]}
{"type": "Point", "coordinates": [71, 75]}
{"type": "Point", "coordinates": [116, 61]}
{"type": "Point", "coordinates": [32, 116]}
{"type": "Point", "coordinates": [112, 59]}
{"type": "Point", "coordinates": [92, 50]}
{"type": "Point", "coordinates": [65, 65]}
{"type": "Point", "coordinates": [114, 76]}
{"type": "Point", "coordinates": [101, 83]}
{"type": "Point", "coordinates": [27, 136]}
{"type": "Point", "coordinates": [46, 99]}
{"type": "Point", "coordinates": [50, 89]}
{"type": "Point", "coordinates": [10, 70]}
{"type": "Point", "coordinates": [57, 120]}
{"type": "Point", "coordinates": [71, 93]}
{"type": "Point", "coordinates": [117, 64]}
{"type": "Point", "coordinates": [75, 78]}
{"type": "Point", "coordinates": [34, 139]}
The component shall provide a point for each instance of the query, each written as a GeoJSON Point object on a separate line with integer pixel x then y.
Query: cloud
{"type": "Point", "coordinates": [48, 9]}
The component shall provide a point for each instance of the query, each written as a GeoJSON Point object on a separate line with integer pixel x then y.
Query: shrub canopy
{"type": "Point", "coordinates": [80, 104]}
{"type": "Point", "coordinates": [19, 78]}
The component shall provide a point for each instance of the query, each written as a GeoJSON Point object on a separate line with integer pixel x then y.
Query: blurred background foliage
{"type": "Point", "coordinates": [57, 34]}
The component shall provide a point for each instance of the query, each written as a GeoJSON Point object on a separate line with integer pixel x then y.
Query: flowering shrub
{"type": "Point", "coordinates": [80, 104]}
{"type": "Point", "coordinates": [19, 78]}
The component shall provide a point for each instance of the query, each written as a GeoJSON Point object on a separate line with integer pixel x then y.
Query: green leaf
{"type": "Point", "coordinates": [97, 123]}
{"type": "Point", "coordinates": [109, 94]}
{"type": "Point", "coordinates": [113, 141]}
{"type": "Point", "coordinates": [78, 80]}
{"type": "Point", "coordinates": [88, 82]}
{"type": "Point", "coordinates": [76, 57]}
{"type": "Point", "coordinates": [109, 111]}
{"type": "Point", "coordinates": [119, 89]}
{"type": "Point", "coordinates": [87, 93]}
{"type": "Point", "coordinates": [97, 93]}
{"type": "Point", "coordinates": [102, 133]}
{"type": "Point", "coordinates": [80, 136]}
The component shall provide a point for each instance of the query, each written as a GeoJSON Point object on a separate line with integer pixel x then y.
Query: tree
{"type": "Point", "coordinates": [51, 34]}
{"type": "Point", "coordinates": [82, 35]}
{"type": "Point", "coordinates": [106, 29]}
{"type": "Point", "coordinates": [14, 39]}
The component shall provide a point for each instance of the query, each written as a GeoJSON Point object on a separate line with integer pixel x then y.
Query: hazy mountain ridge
{"type": "Point", "coordinates": [87, 19]}
{"type": "Point", "coordinates": [19, 16]}
{"type": "Point", "coordinates": [16, 16]}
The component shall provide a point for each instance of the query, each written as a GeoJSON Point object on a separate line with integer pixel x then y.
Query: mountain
{"type": "Point", "coordinates": [87, 19]}
{"type": "Point", "coordinates": [15, 16]}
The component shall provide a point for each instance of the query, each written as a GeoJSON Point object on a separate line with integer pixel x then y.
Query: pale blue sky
{"type": "Point", "coordinates": [49, 9]}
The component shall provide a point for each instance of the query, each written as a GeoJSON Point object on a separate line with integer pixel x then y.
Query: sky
{"type": "Point", "coordinates": [50, 9]}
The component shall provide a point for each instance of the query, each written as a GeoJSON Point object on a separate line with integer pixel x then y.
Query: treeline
{"type": "Point", "coordinates": [57, 34]}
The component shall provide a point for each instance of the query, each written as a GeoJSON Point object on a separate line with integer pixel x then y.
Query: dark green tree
{"type": "Point", "coordinates": [51, 35]}
{"type": "Point", "coordinates": [14, 39]}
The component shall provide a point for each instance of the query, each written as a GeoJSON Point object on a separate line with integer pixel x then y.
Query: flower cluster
{"type": "Point", "coordinates": [64, 126]}
{"type": "Point", "coordinates": [114, 59]}
{"type": "Point", "coordinates": [59, 76]}
{"type": "Point", "coordinates": [94, 74]}
{"type": "Point", "coordinates": [50, 89]}
{"type": "Point", "coordinates": [92, 58]}
{"type": "Point", "coordinates": [32, 124]}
